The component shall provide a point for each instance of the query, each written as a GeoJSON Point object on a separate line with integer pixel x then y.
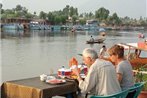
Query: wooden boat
{"type": "Point", "coordinates": [138, 60]}
{"type": "Point", "coordinates": [101, 40]}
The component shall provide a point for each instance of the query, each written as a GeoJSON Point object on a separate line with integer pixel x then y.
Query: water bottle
{"type": "Point", "coordinates": [63, 71]}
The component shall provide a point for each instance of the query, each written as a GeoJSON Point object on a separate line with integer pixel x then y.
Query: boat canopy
{"type": "Point", "coordinates": [136, 60]}
{"type": "Point", "coordinates": [140, 46]}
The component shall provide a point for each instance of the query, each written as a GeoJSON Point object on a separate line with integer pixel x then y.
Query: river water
{"type": "Point", "coordinates": [31, 53]}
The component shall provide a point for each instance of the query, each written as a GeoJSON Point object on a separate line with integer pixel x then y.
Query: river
{"type": "Point", "coordinates": [32, 53]}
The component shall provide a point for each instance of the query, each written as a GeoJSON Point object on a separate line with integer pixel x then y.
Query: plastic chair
{"type": "Point", "coordinates": [121, 94]}
{"type": "Point", "coordinates": [137, 87]}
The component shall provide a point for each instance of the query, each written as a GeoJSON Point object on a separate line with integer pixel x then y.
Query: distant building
{"type": "Point", "coordinates": [19, 21]}
{"type": "Point", "coordinates": [92, 25]}
{"type": "Point", "coordinates": [24, 22]}
{"type": "Point", "coordinates": [92, 22]}
{"type": "Point", "coordinates": [15, 20]}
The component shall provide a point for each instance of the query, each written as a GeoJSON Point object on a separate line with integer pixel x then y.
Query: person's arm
{"type": "Point", "coordinates": [89, 82]}
{"type": "Point", "coordinates": [119, 77]}
{"type": "Point", "coordinates": [119, 71]}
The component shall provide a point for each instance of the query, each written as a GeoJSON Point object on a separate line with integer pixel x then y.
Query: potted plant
{"type": "Point", "coordinates": [141, 76]}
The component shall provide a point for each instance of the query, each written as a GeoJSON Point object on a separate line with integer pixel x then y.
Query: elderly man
{"type": "Point", "coordinates": [101, 78]}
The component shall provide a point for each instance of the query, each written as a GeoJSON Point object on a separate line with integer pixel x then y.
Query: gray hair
{"type": "Point", "coordinates": [89, 52]}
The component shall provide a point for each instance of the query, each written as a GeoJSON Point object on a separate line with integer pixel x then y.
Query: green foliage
{"type": "Point", "coordinates": [17, 12]}
{"type": "Point", "coordinates": [74, 18]}
{"type": "Point", "coordinates": [114, 19]}
{"type": "Point", "coordinates": [140, 76]}
{"type": "Point", "coordinates": [42, 15]}
{"type": "Point", "coordinates": [102, 14]}
{"type": "Point", "coordinates": [62, 16]}
{"type": "Point", "coordinates": [82, 21]}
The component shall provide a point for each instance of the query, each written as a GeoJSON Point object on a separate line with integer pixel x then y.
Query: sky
{"type": "Point", "coordinates": [130, 8]}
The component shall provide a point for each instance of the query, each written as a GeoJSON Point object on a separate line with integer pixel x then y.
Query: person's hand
{"type": "Point", "coordinates": [76, 71]}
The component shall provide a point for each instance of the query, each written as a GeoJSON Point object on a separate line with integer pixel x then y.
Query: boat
{"type": "Point", "coordinates": [35, 25]}
{"type": "Point", "coordinates": [100, 40]}
{"type": "Point", "coordinates": [91, 25]}
{"type": "Point", "coordinates": [140, 35]}
{"type": "Point", "coordinates": [141, 56]}
{"type": "Point", "coordinates": [12, 26]}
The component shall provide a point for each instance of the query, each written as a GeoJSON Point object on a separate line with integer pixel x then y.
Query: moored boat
{"type": "Point", "coordinates": [100, 40]}
{"type": "Point", "coordinates": [139, 55]}
{"type": "Point", "coordinates": [12, 26]}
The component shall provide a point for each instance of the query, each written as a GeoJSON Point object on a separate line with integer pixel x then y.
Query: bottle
{"type": "Point", "coordinates": [63, 71]}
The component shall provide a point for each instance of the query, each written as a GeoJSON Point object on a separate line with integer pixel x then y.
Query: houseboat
{"type": "Point", "coordinates": [91, 25]}
{"type": "Point", "coordinates": [15, 23]}
{"type": "Point", "coordinates": [39, 24]}
{"type": "Point", "coordinates": [12, 26]}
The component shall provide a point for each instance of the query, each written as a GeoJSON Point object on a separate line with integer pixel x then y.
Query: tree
{"type": "Point", "coordinates": [1, 5]}
{"type": "Point", "coordinates": [63, 19]}
{"type": "Point", "coordinates": [82, 21]}
{"type": "Point", "coordinates": [91, 15]}
{"type": "Point", "coordinates": [29, 15]}
{"type": "Point", "coordinates": [115, 19]}
{"type": "Point", "coordinates": [1, 10]}
{"type": "Point", "coordinates": [57, 19]}
{"type": "Point", "coordinates": [18, 8]}
{"type": "Point", "coordinates": [66, 10]}
{"type": "Point", "coordinates": [42, 15]}
{"type": "Point", "coordinates": [50, 17]}
{"type": "Point", "coordinates": [102, 14]}
{"type": "Point", "coordinates": [81, 15]}
{"type": "Point", "coordinates": [71, 11]}
{"type": "Point", "coordinates": [74, 18]}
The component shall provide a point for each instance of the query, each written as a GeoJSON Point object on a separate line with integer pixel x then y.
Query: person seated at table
{"type": "Point", "coordinates": [123, 68]}
{"type": "Point", "coordinates": [101, 78]}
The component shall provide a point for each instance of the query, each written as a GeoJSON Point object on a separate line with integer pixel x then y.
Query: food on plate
{"type": "Point", "coordinates": [55, 81]}
{"type": "Point", "coordinates": [72, 62]}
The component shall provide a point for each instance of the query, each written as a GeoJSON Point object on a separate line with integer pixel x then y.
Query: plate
{"type": "Point", "coordinates": [56, 81]}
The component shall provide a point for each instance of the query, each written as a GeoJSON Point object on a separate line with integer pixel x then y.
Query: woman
{"type": "Point", "coordinates": [123, 68]}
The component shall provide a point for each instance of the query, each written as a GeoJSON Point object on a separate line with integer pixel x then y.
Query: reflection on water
{"type": "Point", "coordinates": [12, 33]}
{"type": "Point", "coordinates": [31, 53]}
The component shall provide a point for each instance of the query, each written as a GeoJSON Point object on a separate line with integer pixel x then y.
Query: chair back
{"type": "Point", "coordinates": [121, 94]}
{"type": "Point", "coordinates": [137, 87]}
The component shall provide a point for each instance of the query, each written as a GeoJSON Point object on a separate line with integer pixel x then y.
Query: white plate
{"type": "Point", "coordinates": [51, 77]}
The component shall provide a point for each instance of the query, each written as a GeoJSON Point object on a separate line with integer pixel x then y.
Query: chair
{"type": "Point", "coordinates": [121, 94]}
{"type": "Point", "coordinates": [137, 87]}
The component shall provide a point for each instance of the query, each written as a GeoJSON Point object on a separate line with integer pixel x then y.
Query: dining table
{"type": "Point", "coordinates": [34, 88]}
